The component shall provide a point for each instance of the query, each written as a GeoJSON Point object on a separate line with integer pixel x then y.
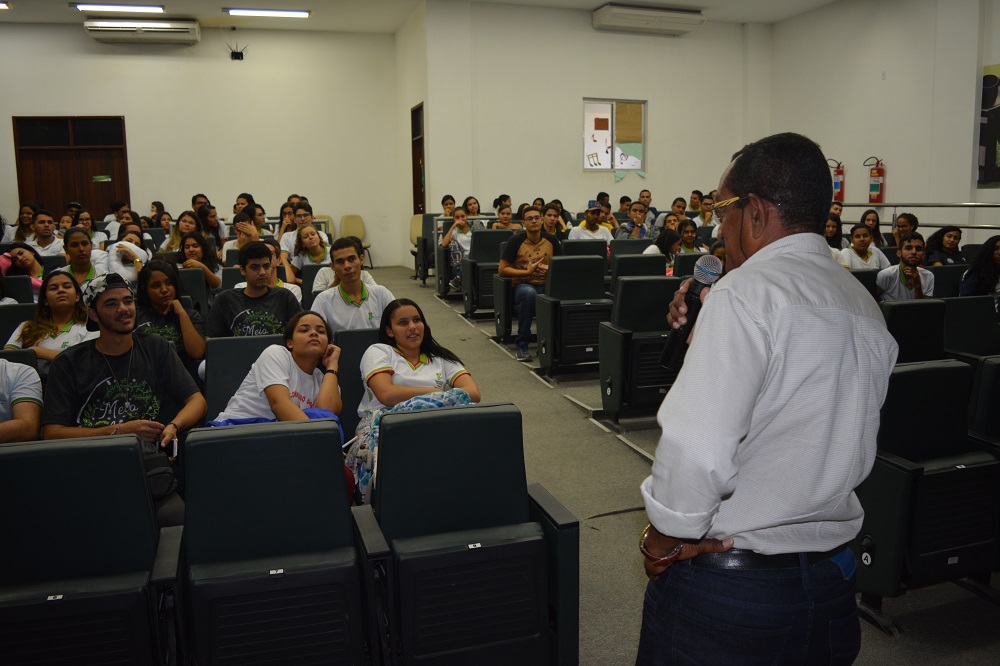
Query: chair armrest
{"type": "Point", "coordinates": [892, 460]}
{"type": "Point", "coordinates": [168, 555]}
{"type": "Point", "coordinates": [369, 534]}
{"type": "Point", "coordinates": [540, 499]}
{"type": "Point", "coordinates": [985, 442]}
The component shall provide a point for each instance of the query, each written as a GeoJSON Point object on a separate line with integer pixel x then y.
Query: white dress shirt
{"type": "Point", "coordinates": [771, 423]}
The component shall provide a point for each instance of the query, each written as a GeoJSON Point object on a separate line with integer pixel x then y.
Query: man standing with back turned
{"type": "Point", "coordinates": [751, 510]}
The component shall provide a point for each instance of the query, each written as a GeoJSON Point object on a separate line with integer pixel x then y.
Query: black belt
{"type": "Point", "coordinates": [737, 558]}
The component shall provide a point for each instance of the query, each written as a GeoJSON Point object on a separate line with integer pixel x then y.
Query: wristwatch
{"type": "Point", "coordinates": [667, 558]}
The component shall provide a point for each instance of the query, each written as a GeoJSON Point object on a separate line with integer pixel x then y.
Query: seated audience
{"type": "Point", "coordinates": [20, 402]}
{"type": "Point", "coordinates": [163, 221]}
{"type": "Point", "coordinates": [159, 311]}
{"type": "Point", "coordinates": [187, 222]}
{"type": "Point", "coordinates": [4, 298]}
{"type": "Point", "coordinates": [906, 223]}
{"type": "Point", "coordinates": [25, 260]}
{"type": "Point", "coordinates": [552, 222]}
{"type": "Point", "coordinates": [504, 216]}
{"type": "Point", "coordinates": [457, 240]}
{"type": "Point", "coordinates": [406, 370]}
{"type": "Point", "coordinates": [837, 208]}
{"type": "Point", "coordinates": [45, 239]}
{"type": "Point", "coordinates": [83, 261]}
{"type": "Point", "coordinates": [303, 218]}
{"type": "Point", "coordinates": [213, 228]}
{"type": "Point", "coordinates": [718, 249]}
{"type": "Point", "coordinates": [471, 206]}
{"type": "Point", "coordinates": [695, 204]}
{"type": "Point", "coordinates": [983, 276]}
{"type": "Point", "coordinates": [247, 231]}
{"type": "Point", "coordinates": [310, 248]}
{"type": "Point", "coordinates": [293, 382]}
{"type": "Point", "coordinates": [64, 223]}
{"type": "Point", "coordinates": [256, 309]}
{"type": "Point", "coordinates": [538, 202]}
{"type": "Point", "coordinates": [706, 215]}
{"type": "Point", "coordinates": [688, 231]}
{"type": "Point", "coordinates": [84, 219]}
{"type": "Point", "coordinates": [942, 247]}
{"type": "Point", "coordinates": [909, 280]}
{"type": "Point", "coordinates": [353, 303]}
{"type": "Point", "coordinates": [327, 278]}
{"type": "Point", "coordinates": [623, 203]}
{"type": "Point", "coordinates": [124, 383]}
{"type": "Point", "coordinates": [861, 254]}
{"type": "Point", "coordinates": [869, 218]}
{"type": "Point", "coordinates": [127, 255]}
{"type": "Point", "coordinates": [447, 205]}
{"type": "Point", "coordinates": [273, 280]}
{"type": "Point", "coordinates": [286, 217]}
{"type": "Point", "coordinates": [60, 321]}
{"type": "Point", "coordinates": [21, 231]}
{"type": "Point", "coordinates": [526, 261]}
{"type": "Point", "coordinates": [114, 218]}
{"type": "Point", "coordinates": [195, 252]}
{"type": "Point", "coordinates": [667, 243]}
{"type": "Point", "coordinates": [833, 233]}
{"type": "Point", "coordinates": [589, 228]}
{"type": "Point", "coordinates": [635, 226]}
{"type": "Point", "coordinates": [607, 219]}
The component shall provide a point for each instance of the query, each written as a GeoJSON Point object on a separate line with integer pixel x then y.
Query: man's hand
{"type": "Point", "coordinates": [676, 318]}
{"type": "Point", "coordinates": [657, 543]}
{"type": "Point", "coordinates": [533, 266]}
{"type": "Point", "coordinates": [146, 429]}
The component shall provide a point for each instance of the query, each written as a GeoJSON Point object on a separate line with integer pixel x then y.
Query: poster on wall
{"type": "Point", "coordinates": [614, 136]}
{"type": "Point", "coordinates": [989, 128]}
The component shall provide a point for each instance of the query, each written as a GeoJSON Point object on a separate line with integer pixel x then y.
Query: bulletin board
{"type": "Point", "coordinates": [614, 135]}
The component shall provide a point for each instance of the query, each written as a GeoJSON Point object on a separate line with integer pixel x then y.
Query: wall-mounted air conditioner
{"type": "Point", "coordinates": [647, 19]}
{"type": "Point", "coordinates": [144, 32]}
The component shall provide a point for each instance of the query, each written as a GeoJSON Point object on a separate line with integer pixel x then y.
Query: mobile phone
{"type": "Point", "coordinates": [174, 442]}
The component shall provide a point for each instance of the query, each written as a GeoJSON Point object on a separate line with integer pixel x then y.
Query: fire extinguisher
{"type": "Point", "coordinates": [838, 179]}
{"type": "Point", "coordinates": [876, 180]}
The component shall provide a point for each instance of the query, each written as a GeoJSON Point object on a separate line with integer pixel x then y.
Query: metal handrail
{"type": "Point", "coordinates": [967, 205]}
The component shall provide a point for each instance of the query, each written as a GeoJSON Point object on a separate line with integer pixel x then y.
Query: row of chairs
{"type": "Point", "coordinates": [272, 566]}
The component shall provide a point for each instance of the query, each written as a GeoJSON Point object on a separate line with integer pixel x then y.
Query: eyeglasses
{"type": "Point", "coordinates": [533, 218]}
{"type": "Point", "coordinates": [720, 208]}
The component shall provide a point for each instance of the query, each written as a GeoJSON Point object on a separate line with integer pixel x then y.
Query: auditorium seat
{"type": "Point", "coordinates": [23, 356]}
{"type": "Point", "coordinates": [984, 415]}
{"type": "Point", "coordinates": [918, 328]}
{"type": "Point", "coordinates": [890, 253]}
{"type": "Point", "coordinates": [868, 278]}
{"type": "Point", "coordinates": [633, 382]}
{"type": "Point", "coordinates": [354, 225]}
{"type": "Point", "coordinates": [489, 573]}
{"type": "Point", "coordinates": [193, 281]}
{"type": "Point", "coordinates": [353, 344]}
{"type": "Point", "coordinates": [231, 276]}
{"type": "Point", "coordinates": [52, 262]}
{"type": "Point", "coordinates": [568, 313]}
{"type": "Point", "coordinates": [83, 564]}
{"type": "Point", "coordinates": [970, 250]}
{"type": "Point", "coordinates": [623, 246]}
{"type": "Point", "coordinates": [705, 235]}
{"type": "Point", "coordinates": [636, 264]}
{"type": "Point", "coordinates": [308, 276]}
{"type": "Point", "coordinates": [947, 279]}
{"type": "Point", "coordinates": [271, 571]}
{"type": "Point", "coordinates": [932, 500]}
{"type": "Point", "coordinates": [19, 288]}
{"type": "Point", "coordinates": [479, 267]}
{"type": "Point", "coordinates": [684, 263]}
{"type": "Point", "coordinates": [227, 363]}
{"type": "Point", "coordinates": [12, 316]}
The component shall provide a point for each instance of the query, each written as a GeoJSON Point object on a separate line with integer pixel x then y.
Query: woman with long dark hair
{"type": "Point", "coordinates": [869, 218]}
{"type": "Point", "coordinates": [60, 321]}
{"type": "Point", "coordinates": [159, 311]}
{"type": "Point", "coordinates": [25, 260]}
{"type": "Point", "coordinates": [942, 247]}
{"type": "Point", "coordinates": [406, 370]}
{"type": "Point", "coordinates": [983, 276]}
{"type": "Point", "coordinates": [213, 227]}
{"type": "Point", "coordinates": [195, 252]}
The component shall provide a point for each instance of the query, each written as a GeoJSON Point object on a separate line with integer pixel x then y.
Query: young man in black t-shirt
{"type": "Point", "coordinates": [122, 383]}
{"type": "Point", "coordinates": [257, 309]}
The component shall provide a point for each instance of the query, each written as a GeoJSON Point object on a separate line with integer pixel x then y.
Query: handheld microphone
{"type": "Point", "coordinates": [707, 270]}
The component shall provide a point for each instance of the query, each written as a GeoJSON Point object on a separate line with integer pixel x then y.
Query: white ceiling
{"type": "Point", "coordinates": [382, 16]}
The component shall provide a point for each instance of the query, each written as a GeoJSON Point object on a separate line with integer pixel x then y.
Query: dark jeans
{"type": "Point", "coordinates": [524, 301]}
{"type": "Point", "coordinates": [695, 615]}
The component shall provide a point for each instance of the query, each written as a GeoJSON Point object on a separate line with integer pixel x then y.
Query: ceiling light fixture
{"type": "Point", "coordinates": [125, 9]}
{"type": "Point", "coordinates": [4, 5]}
{"type": "Point", "coordinates": [269, 13]}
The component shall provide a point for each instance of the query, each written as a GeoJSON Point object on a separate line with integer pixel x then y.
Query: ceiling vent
{"type": "Point", "coordinates": [624, 18]}
{"type": "Point", "coordinates": [144, 32]}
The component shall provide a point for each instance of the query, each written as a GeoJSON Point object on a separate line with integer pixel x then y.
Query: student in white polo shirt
{"type": "Point", "coordinates": [908, 280]}
{"type": "Point", "coordinates": [352, 303]}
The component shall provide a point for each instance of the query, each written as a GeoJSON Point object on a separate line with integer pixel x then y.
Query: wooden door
{"type": "Point", "coordinates": [65, 159]}
{"type": "Point", "coordinates": [417, 158]}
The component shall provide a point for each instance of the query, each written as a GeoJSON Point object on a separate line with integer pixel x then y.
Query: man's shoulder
{"type": "Point", "coordinates": [380, 292]}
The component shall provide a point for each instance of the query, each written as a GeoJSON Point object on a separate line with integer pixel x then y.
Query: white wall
{"type": "Point", "coordinates": [305, 112]}
{"type": "Point", "coordinates": [411, 89]}
{"type": "Point", "coordinates": [920, 119]}
{"type": "Point", "coordinates": [505, 103]}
